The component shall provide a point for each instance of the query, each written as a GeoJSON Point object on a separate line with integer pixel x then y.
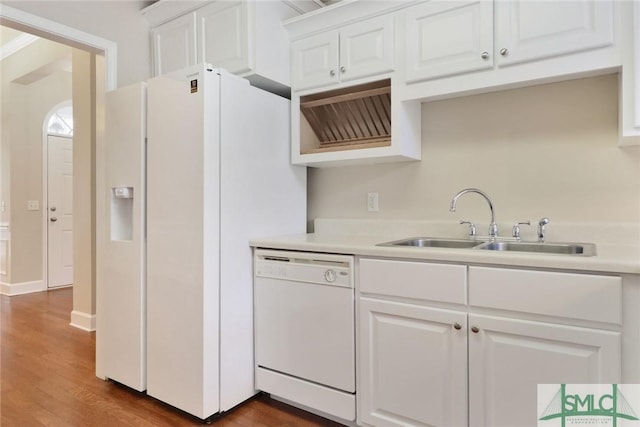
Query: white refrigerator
{"type": "Point", "coordinates": [218, 173]}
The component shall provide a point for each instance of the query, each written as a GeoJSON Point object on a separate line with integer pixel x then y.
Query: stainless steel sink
{"type": "Point", "coordinates": [580, 249]}
{"type": "Point", "coordinates": [429, 242]}
{"type": "Point", "coordinates": [584, 249]}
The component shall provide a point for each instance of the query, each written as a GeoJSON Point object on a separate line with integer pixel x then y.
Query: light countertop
{"type": "Point", "coordinates": [610, 257]}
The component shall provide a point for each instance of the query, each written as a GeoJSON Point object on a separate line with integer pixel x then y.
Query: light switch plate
{"type": "Point", "coordinates": [33, 205]}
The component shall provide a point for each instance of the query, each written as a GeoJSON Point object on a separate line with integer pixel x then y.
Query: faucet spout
{"type": "Point", "coordinates": [493, 227]}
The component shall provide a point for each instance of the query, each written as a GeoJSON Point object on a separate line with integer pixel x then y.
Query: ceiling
{"type": "Point", "coordinates": [8, 34]}
{"type": "Point", "coordinates": [13, 41]}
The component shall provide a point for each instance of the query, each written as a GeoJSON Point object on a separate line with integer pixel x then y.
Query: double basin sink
{"type": "Point", "coordinates": [580, 249]}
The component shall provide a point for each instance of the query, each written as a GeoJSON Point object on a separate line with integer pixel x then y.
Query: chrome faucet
{"type": "Point", "coordinates": [493, 227]}
{"type": "Point", "coordinates": [541, 230]}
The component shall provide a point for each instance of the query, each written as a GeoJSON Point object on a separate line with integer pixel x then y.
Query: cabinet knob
{"type": "Point", "coordinates": [475, 329]}
{"type": "Point", "coordinates": [342, 69]}
{"type": "Point", "coordinates": [53, 219]}
{"type": "Point", "coordinates": [485, 55]}
{"type": "Point", "coordinates": [457, 326]}
{"type": "Point", "coordinates": [504, 51]}
{"type": "Point", "coordinates": [332, 73]}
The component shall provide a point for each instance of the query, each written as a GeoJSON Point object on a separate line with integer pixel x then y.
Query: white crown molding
{"type": "Point", "coordinates": [16, 44]}
{"type": "Point", "coordinates": [339, 13]}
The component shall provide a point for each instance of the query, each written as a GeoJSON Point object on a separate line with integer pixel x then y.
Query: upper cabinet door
{"type": "Point", "coordinates": [174, 45]}
{"type": "Point", "coordinates": [367, 48]}
{"type": "Point", "coordinates": [446, 38]}
{"type": "Point", "coordinates": [223, 36]}
{"type": "Point", "coordinates": [314, 61]}
{"type": "Point", "coordinates": [529, 30]}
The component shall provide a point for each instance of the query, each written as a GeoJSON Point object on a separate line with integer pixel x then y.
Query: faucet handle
{"type": "Point", "coordinates": [516, 229]}
{"type": "Point", "coordinates": [541, 230]}
{"type": "Point", "coordinates": [472, 228]}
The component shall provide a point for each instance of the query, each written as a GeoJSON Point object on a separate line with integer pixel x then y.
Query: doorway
{"type": "Point", "coordinates": [103, 53]}
{"type": "Point", "coordinates": [60, 211]}
{"type": "Point", "coordinates": [58, 196]}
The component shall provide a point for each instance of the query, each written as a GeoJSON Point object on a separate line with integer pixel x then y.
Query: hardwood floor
{"type": "Point", "coordinates": [47, 376]}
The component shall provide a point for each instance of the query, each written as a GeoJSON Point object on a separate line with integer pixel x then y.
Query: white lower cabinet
{"type": "Point", "coordinates": [413, 365]}
{"type": "Point", "coordinates": [508, 358]}
{"type": "Point", "coordinates": [425, 360]}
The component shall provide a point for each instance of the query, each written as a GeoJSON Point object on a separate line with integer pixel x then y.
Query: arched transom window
{"type": "Point", "coordinates": [61, 122]}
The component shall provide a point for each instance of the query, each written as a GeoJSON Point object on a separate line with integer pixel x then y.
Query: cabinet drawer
{"type": "Point", "coordinates": [434, 282]}
{"type": "Point", "coordinates": [575, 296]}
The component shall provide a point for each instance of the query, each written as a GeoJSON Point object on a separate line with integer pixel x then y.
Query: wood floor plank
{"type": "Point", "coordinates": [47, 378]}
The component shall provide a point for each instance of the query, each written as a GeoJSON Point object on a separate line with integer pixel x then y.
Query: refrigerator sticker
{"type": "Point", "coordinates": [194, 86]}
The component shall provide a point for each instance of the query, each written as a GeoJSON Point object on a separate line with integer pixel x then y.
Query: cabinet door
{"type": "Point", "coordinates": [508, 358]}
{"type": "Point", "coordinates": [529, 30]}
{"type": "Point", "coordinates": [413, 365]}
{"type": "Point", "coordinates": [366, 48]}
{"type": "Point", "coordinates": [314, 61]}
{"type": "Point", "coordinates": [446, 38]}
{"type": "Point", "coordinates": [223, 36]}
{"type": "Point", "coordinates": [174, 45]}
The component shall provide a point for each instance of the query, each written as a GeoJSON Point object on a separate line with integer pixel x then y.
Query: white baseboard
{"type": "Point", "coordinates": [12, 289]}
{"type": "Point", "coordinates": [84, 321]}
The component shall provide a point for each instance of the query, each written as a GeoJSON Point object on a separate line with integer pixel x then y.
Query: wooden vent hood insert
{"type": "Point", "coordinates": [350, 118]}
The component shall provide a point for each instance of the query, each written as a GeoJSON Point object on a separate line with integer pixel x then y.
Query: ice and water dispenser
{"type": "Point", "coordinates": [122, 213]}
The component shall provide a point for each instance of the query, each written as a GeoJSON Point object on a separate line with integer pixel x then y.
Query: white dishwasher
{"type": "Point", "coordinates": [305, 329]}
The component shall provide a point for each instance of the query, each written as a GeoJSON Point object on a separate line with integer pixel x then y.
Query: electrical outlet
{"type": "Point", "coordinates": [33, 205]}
{"type": "Point", "coordinates": [373, 202]}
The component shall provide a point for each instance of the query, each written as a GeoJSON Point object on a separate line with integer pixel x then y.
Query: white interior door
{"type": "Point", "coordinates": [60, 211]}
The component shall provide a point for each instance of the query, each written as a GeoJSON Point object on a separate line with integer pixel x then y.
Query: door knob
{"type": "Point", "coordinates": [53, 219]}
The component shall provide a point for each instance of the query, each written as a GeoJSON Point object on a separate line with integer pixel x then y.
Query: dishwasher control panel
{"type": "Point", "coordinates": [307, 267]}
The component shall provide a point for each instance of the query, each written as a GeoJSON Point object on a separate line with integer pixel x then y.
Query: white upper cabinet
{"type": "Point", "coordinates": [174, 45]}
{"type": "Point", "coordinates": [366, 48]}
{"type": "Point", "coordinates": [630, 87]}
{"type": "Point", "coordinates": [245, 37]}
{"type": "Point", "coordinates": [446, 38]}
{"type": "Point", "coordinates": [223, 36]}
{"type": "Point", "coordinates": [355, 51]}
{"type": "Point", "coordinates": [532, 30]}
{"type": "Point", "coordinates": [314, 61]}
